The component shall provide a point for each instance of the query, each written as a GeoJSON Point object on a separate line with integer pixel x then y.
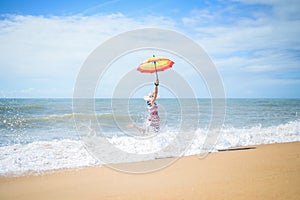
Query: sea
{"type": "Point", "coordinates": [39, 135]}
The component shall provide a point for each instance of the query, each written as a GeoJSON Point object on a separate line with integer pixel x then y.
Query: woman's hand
{"type": "Point", "coordinates": [156, 82]}
{"type": "Point", "coordinates": [155, 92]}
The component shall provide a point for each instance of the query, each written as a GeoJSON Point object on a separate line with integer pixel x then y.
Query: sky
{"type": "Point", "coordinates": [254, 44]}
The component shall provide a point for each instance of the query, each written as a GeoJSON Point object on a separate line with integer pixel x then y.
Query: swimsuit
{"type": "Point", "coordinates": [153, 118]}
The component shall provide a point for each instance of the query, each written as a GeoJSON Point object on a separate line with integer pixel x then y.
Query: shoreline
{"type": "Point", "coordinates": [270, 171]}
{"type": "Point", "coordinates": [61, 170]}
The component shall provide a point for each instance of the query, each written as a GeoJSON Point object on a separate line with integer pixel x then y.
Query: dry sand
{"type": "Point", "coordinates": [267, 172]}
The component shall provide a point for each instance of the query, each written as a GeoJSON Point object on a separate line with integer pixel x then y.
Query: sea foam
{"type": "Point", "coordinates": [43, 156]}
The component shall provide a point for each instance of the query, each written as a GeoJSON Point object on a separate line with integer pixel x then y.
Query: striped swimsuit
{"type": "Point", "coordinates": [153, 118]}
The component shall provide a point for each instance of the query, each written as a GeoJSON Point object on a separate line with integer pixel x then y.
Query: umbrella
{"type": "Point", "coordinates": [155, 64]}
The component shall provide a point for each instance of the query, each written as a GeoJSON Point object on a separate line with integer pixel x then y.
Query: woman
{"type": "Point", "coordinates": [152, 123]}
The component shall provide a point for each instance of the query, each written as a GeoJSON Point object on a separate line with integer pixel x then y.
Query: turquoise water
{"type": "Point", "coordinates": [28, 120]}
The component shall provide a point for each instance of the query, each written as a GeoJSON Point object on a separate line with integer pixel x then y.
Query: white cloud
{"type": "Point", "coordinates": [55, 43]}
{"type": "Point", "coordinates": [259, 68]}
{"type": "Point", "coordinates": [199, 17]}
{"type": "Point", "coordinates": [255, 49]}
{"type": "Point", "coordinates": [240, 42]}
{"type": "Point", "coordinates": [48, 51]}
{"type": "Point", "coordinates": [37, 48]}
{"type": "Point", "coordinates": [49, 45]}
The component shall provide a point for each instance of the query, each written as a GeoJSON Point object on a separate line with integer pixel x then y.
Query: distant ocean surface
{"type": "Point", "coordinates": [37, 135]}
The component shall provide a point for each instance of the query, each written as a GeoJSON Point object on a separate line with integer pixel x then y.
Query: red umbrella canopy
{"type": "Point", "coordinates": [155, 64]}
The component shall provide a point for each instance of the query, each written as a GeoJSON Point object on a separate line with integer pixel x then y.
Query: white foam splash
{"type": "Point", "coordinates": [43, 156]}
{"type": "Point", "coordinates": [143, 145]}
{"type": "Point", "coordinates": [57, 154]}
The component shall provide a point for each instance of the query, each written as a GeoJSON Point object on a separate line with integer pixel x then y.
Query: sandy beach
{"type": "Point", "coordinates": [265, 172]}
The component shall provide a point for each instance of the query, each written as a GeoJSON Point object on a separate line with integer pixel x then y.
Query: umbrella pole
{"type": "Point", "coordinates": [155, 70]}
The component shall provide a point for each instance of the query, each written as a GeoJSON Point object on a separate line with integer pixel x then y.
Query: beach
{"type": "Point", "coordinates": [265, 172]}
{"type": "Point", "coordinates": [168, 100]}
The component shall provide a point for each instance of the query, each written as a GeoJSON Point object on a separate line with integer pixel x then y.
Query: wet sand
{"type": "Point", "coordinates": [265, 172]}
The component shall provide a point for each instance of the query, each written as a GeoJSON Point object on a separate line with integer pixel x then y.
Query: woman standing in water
{"type": "Point", "coordinates": [152, 123]}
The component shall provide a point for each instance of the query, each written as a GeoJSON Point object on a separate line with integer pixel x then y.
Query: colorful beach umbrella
{"type": "Point", "coordinates": [155, 64]}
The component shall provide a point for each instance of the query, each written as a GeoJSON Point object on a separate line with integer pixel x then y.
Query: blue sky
{"type": "Point", "coordinates": [255, 45]}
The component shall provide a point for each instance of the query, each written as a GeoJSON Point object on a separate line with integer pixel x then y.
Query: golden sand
{"type": "Point", "coordinates": [266, 172]}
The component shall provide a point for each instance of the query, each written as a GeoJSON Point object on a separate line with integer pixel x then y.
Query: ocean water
{"type": "Point", "coordinates": [37, 135]}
